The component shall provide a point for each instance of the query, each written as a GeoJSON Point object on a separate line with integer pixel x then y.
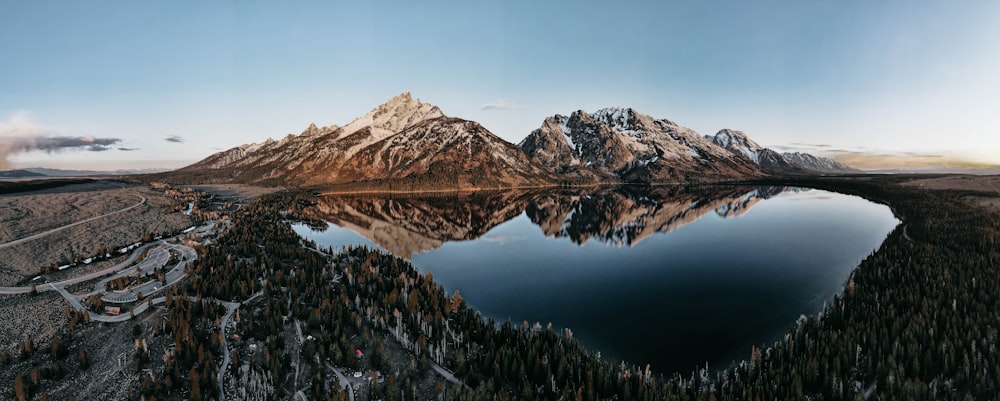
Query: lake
{"type": "Point", "coordinates": [668, 276]}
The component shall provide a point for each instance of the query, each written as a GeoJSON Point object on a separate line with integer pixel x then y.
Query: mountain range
{"type": "Point", "coordinates": [740, 144]}
{"type": "Point", "coordinates": [407, 145]}
{"type": "Point", "coordinates": [403, 144]}
{"type": "Point", "coordinates": [38, 172]}
{"type": "Point", "coordinates": [19, 174]}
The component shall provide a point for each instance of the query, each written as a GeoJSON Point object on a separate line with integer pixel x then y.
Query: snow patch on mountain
{"type": "Point", "coordinates": [562, 121]}
{"type": "Point", "coordinates": [817, 163]}
{"type": "Point", "coordinates": [738, 143]}
{"type": "Point", "coordinates": [620, 120]}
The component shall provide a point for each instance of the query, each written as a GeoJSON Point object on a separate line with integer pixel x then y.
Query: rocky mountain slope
{"type": "Point", "coordinates": [740, 144]}
{"type": "Point", "coordinates": [403, 144]}
{"type": "Point", "coordinates": [634, 147]}
{"type": "Point", "coordinates": [407, 145]}
{"type": "Point", "coordinates": [817, 164]}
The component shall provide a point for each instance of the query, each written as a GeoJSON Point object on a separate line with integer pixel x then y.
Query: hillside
{"type": "Point", "coordinates": [403, 144]}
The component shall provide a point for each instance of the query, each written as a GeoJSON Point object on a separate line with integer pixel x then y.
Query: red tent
{"type": "Point", "coordinates": [358, 353]}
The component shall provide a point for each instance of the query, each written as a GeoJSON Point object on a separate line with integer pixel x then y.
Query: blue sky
{"type": "Point", "coordinates": [853, 79]}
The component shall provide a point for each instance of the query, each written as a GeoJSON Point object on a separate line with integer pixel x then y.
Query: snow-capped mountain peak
{"type": "Point", "coordinates": [615, 117]}
{"type": "Point", "coordinates": [817, 163]}
{"type": "Point", "coordinates": [738, 142]}
{"type": "Point", "coordinates": [408, 141]}
{"type": "Point", "coordinates": [398, 113]}
{"type": "Point", "coordinates": [401, 140]}
{"type": "Point", "coordinates": [636, 147]}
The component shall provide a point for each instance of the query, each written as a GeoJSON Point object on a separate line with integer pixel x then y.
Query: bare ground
{"type": "Point", "coordinates": [30, 213]}
{"type": "Point", "coordinates": [237, 191]}
{"type": "Point", "coordinates": [110, 349]}
{"type": "Point", "coordinates": [36, 317]}
{"type": "Point", "coordinates": [43, 317]}
{"type": "Point", "coordinates": [21, 262]}
{"type": "Point", "coordinates": [989, 185]}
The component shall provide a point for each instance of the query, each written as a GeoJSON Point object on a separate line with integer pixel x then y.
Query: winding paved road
{"type": "Point", "coordinates": [154, 260]}
{"type": "Point", "coordinates": [86, 277]}
{"type": "Point", "coordinates": [345, 384]}
{"type": "Point", "coordinates": [57, 229]}
{"type": "Point", "coordinates": [447, 375]}
{"type": "Point", "coordinates": [230, 308]}
{"type": "Point", "coordinates": [74, 301]}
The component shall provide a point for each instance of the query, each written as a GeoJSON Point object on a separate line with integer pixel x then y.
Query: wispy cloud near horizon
{"type": "Point", "coordinates": [808, 148]}
{"type": "Point", "coordinates": [904, 160]}
{"type": "Point", "coordinates": [174, 139]}
{"type": "Point", "coordinates": [21, 135]}
{"type": "Point", "coordinates": [501, 104]}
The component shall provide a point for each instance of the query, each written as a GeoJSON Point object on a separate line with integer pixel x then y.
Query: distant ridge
{"type": "Point", "coordinates": [19, 174]}
{"type": "Point", "coordinates": [740, 144]}
{"type": "Point", "coordinates": [52, 172]}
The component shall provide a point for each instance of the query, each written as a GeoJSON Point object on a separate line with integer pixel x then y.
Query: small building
{"type": "Point", "coordinates": [112, 310]}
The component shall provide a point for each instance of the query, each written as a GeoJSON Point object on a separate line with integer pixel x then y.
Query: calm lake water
{"type": "Point", "coordinates": [666, 276]}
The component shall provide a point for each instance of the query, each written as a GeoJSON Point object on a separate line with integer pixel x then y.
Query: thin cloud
{"type": "Point", "coordinates": [805, 147]}
{"type": "Point", "coordinates": [174, 139]}
{"type": "Point", "coordinates": [500, 104]}
{"type": "Point", "coordinates": [15, 145]}
{"type": "Point", "coordinates": [20, 134]}
{"type": "Point", "coordinates": [21, 124]}
{"type": "Point", "coordinates": [811, 145]}
{"type": "Point", "coordinates": [846, 152]}
{"type": "Point", "coordinates": [128, 149]}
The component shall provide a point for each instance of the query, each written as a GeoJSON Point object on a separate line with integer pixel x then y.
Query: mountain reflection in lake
{"type": "Point", "coordinates": [669, 276]}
